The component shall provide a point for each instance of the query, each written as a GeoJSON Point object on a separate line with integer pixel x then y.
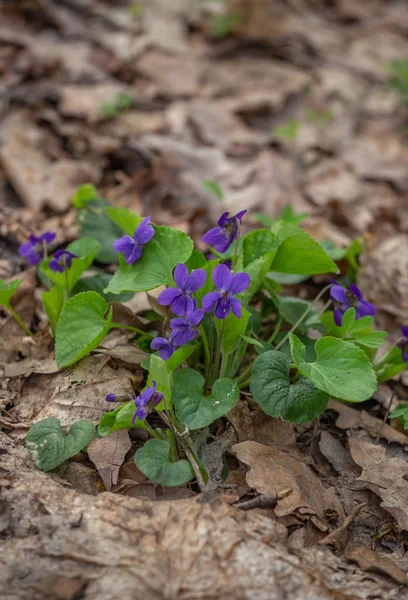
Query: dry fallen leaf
{"type": "Point", "coordinates": [108, 453]}
{"type": "Point", "coordinates": [368, 560]}
{"type": "Point", "coordinates": [337, 455]}
{"type": "Point", "coordinates": [252, 424]}
{"type": "Point", "coordinates": [384, 476]}
{"type": "Point", "coordinates": [272, 471]}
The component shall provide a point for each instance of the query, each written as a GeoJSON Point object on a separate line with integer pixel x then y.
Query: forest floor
{"type": "Point", "coordinates": [292, 106]}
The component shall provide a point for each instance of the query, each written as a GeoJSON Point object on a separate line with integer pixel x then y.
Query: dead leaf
{"type": "Point", "coordinates": [338, 537]}
{"type": "Point", "coordinates": [38, 181]}
{"type": "Point", "coordinates": [272, 471]}
{"type": "Point", "coordinates": [252, 424]}
{"type": "Point", "coordinates": [108, 453]}
{"type": "Point", "coordinates": [75, 393]}
{"type": "Point", "coordinates": [333, 450]}
{"type": "Point", "coordinates": [82, 478]}
{"type": "Point", "coordinates": [350, 418]}
{"type": "Point", "coordinates": [27, 366]}
{"type": "Point", "coordinates": [384, 476]}
{"type": "Point", "coordinates": [368, 560]}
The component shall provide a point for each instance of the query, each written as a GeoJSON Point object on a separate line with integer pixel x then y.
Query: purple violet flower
{"type": "Point", "coordinates": [132, 248]}
{"type": "Point", "coordinates": [146, 402]}
{"type": "Point", "coordinates": [180, 298]}
{"type": "Point", "coordinates": [350, 297]}
{"type": "Point", "coordinates": [227, 286]}
{"type": "Point", "coordinates": [111, 398]}
{"type": "Point", "coordinates": [165, 347]}
{"type": "Point", "coordinates": [404, 343]}
{"type": "Point", "coordinates": [34, 250]}
{"type": "Point", "coordinates": [185, 330]}
{"type": "Point", "coordinates": [62, 260]}
{"type": "Point", "coordinates": [221, 237]}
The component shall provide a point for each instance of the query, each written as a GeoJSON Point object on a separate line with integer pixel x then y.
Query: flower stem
{"type": "Point", "coordinates": [302, 317]}
{"type": "Point", "coordinates": [276, 330]}
{"type": "Point", "coordinates": [244, 374]}
{"type": "Point", "coordinates": [234, 258]}
{"type": "Point", "coordinates": [218, 353]}
{"type": "Point", "coordinates": [120, 326]}
{"type": "Point", "coordinates": [206, 350]}
{"type": "Point", "coordinates": [244, 384]}
{"type": "Point", "coordinates": [19, 320]}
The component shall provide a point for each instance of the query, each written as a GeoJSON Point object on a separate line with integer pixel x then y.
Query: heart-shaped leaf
{"type": "Point", "coordinates": [270, 386]}
{"type": "Point", "coordinates": [81, 327]}
{"type": "Point", "coordinates": [299, 253]}
{"type": "Point", "coordinates": [53, 301]}
{"type": "Point", "coordinates": [155, 267]}
{"type": "Point", "coordinates": [7, 291]}
{"type": "Point", "coordinates": [86, 249]}
{"type": "Point", "coordinates": [49, 446]}
{"type": "Point", "coordinates": [154, 462]}
{"type": "Point", "coordinates": [341, 368]}
{"type": "Point", "coordinates": [196, 410]}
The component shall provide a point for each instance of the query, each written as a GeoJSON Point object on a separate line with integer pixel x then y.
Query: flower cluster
{"type": "Point", "coordinates": [350, 297]}
{"type": "Point", "coordinates": [144, 403]}
{"type": "Point", "coordinates": [35, 249]}
{"type": "Point", "coordinates": [132, 248]}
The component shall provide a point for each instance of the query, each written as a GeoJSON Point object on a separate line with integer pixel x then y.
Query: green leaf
{"type": "Point", "coordinates": [86, 249]}
{"type": "Point", "coordinates": [49, 446]}
{"type": "Point", "coordinates": [390, 364]}
{"type": "Point", "coordinates": [341, 369]}
{"type": "Point", "coordinates": [263, 219]}
{"type": "Point", "coordinates": [331, 249]}
{"type": "Point", "coordinates": [196, 410]}
{"type": "Point", "coordinates": [85, 193]}
{"type": "Point", "coordinates": [179, 356]}
{"type": "Point", "coordinates": [7, 291]}
{"type": "Point", "coordinates": [371, 339]}
{"type": "Point", "coordinates": [209, 284]}
{"type": "Point", "coordinates": [81, 327]}
{"type": "Point", "coordinates": [298, 253]}
{"type": "Point", "coordinates": [98, 283]}
{"type": "Point", "coordinates": [95, 223]}
{"type": "Point", "coordinates": [257, 271]}
{"type": "Point", "coordinates": [270, 386]}
{"type": "Point", "coordinates": [250, 340]}
{"type": "Point", "coordinates": [154, 462]}
{"type": "Point", "coordinates": [234, 327]}
{"type": "Point", "coordinates": [125, 219]}
{"type": "Point", "coordinates": [53, 301]}
{"type": "Point", "coordinates": [291, 309]}
{"type": "Point", "coordinates": [214, 188]}
{"type": "Point", "coordinates": [197, 260]}
{"type": "Point", "coordinates": [120, 418]}
{"type": "Point", "coordinates": [155, 267]}
{"type": "Point", "coordinates": [259, 242]}
{"type": "Point", "coordinates": [289, 216]}
{"type": "Point", "coordinates": [159, 373]}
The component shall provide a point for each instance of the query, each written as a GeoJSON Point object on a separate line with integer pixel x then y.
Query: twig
{"type": "Point", "coordinates": [387, 412]}
{"type": "Point", "coordinates": [263, 501]}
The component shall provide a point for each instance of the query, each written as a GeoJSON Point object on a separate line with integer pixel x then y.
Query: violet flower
{"type": "Point", "coordinates": [185, 330]}
{"type": "Point", "coordinates": [61, 261]}
{"type": "Point", "coordinates": [221, 237]}
{"type": "Point", "coordinates": [180, 298]}
{"type": "Point", "coordinates": [146, 402]}
{"type": "Point", "coordinates": [350, 297]}
{"type": "Point", "coordinates": [132, 248]}
{"type": "Point", "coordinates": [34, 250]}
{"type": "Point", "coordinates": [165, 347]}
{"type": "Point", "coordinates": [111, 398]}
{"type": "Point", "coordinates": [404, 343]}
{"type": "Point", "coordinates": [227, 286]}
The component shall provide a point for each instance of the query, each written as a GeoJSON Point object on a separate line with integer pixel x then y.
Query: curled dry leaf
{"type": "Point", "coordinates": [350, 418]}
{"type": "Point", "coordinates": [384, 476]}
{"type": "Point", "coordinates": [272, 471]}
{"type": "Point", "coordinates": [108, 453]}
{"type": "Point", "coordinates": [368, 560]}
